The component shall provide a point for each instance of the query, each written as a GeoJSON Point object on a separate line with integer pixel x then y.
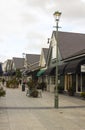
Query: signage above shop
{"type": "Point", "coordinates": [82, 68]}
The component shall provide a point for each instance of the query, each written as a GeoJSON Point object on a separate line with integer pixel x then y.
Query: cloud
{"type": "Point", "coordinates": [35, 47]}
{"type": "Point", "coordinates": [73, 15]}
{"type": "Point", "coordinates": [25, 25]}
{"type": "Point", "coordinates": [37, 3]}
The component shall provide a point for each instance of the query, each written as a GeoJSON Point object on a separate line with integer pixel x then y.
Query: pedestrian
{"type": "Point", "coordinates": [20, 81]}
{"type": "Point", "coordinates": [23, 86]}
{"type": "Point", "coordinates": [3, 80]}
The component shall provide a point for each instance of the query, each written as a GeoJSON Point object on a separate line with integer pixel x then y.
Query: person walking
{"type": "Point", "coordinates": [3, 81]}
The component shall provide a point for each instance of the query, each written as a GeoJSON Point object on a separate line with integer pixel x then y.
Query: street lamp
{"type": "Point", "coordinates": [57, 15]}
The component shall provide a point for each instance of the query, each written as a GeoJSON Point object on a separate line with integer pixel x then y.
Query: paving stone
{"type": "Point", "coordinates": [19, 112]}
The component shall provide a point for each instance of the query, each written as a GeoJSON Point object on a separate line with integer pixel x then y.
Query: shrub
{"type": "Point", "coordinates": [12, 83]}
{"type": "Point", "coordinates": [32, 86]}
{"type": "Point", "coordinates": [71, 91]}
{"type": "Point", "coordinates": [2, 92]}
{"type": "Point", "coordinates": [18, 74]}
{"type": "Point", "coordinates": [82, 94]}
{"type": "Point", "coordinates": [34, 93]}
{"type": "Point", "coordinates": [60, 89]}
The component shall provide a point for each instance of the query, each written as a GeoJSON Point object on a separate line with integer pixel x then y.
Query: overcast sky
{"type": "Point", "coordinates": [25, 25]}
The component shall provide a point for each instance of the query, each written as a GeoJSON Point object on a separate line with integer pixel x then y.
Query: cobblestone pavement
{"type": "Point", "coordinates": [19, 112]}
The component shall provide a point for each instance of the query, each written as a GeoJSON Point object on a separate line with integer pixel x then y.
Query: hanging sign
{"type": "Point", "coordinates": [82, 68]}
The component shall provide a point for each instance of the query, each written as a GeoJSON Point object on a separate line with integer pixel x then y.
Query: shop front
{"type": "Point", "coordinates": [75, 75]}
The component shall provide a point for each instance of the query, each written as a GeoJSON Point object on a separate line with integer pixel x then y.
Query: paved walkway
{"type": "Point", "coordinates": [19, 112]}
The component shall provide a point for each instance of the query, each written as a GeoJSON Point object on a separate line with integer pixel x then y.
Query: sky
{"type": "Point", "coordinates": [25, 25]}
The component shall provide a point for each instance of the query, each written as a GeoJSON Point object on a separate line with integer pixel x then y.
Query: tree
{"type": "Point", "coordinates": [18, 74]}
{"type": "Point", "coordinates": [2, 92]}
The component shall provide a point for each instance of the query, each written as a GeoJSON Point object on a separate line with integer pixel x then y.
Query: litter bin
{"type": "Point", "coordinates": [23, 87]}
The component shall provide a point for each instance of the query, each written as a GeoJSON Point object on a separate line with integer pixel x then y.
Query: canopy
{"type": "Point", "coordinates": [41, 72]}
{"type": "Point", "coordinates": [52, 70]}
{"type": "Point", "coordinates": [74, 66]}
{"type": "Point", "coordinates": [9, 73]}
{"type": "Point", "coordinates": [48, 71]}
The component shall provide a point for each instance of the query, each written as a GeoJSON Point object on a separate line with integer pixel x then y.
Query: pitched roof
{"type": "Point", "coordinates": [70, 43]}
{"type": "Point", "coordinates": [79, 54]}
{"type": "Point", "coordinates": [19, 62]}
{"type": "Point", "coordinates": [35, 66]}
{"type": "Point", "coordinates": [32, 58]}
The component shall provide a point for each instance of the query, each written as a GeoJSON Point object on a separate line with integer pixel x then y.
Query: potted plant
{"type": "Point", "coordinates": [82, 94]}
{"type": "Point", "coordinates": [2, 92]}
{"type": "Point", "coordinates": [34, 93]}
{"type": "Point", "coordinates": [32, 88]}
{"type": "Point", "coordinates": [71, 91]}
{"type": "Point", "coordinates": [13, 83]}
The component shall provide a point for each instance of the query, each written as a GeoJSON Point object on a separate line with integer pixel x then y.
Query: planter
{"type": "Point", "coordinates": [34, 93]}
{"type": "Point", "coordinates": [13, 83]}
{"type": "Point", "coordinates": [2, 92]}
{"type": "Point", "coordinates": [82, 95]}
{"type": "Point", "coordinates": [32, 86]}
{"type": "Point", "coordinates": [71, 91]}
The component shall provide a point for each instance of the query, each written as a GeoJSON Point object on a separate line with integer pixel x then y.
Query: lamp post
{"type": "Point", "coordinates": [57, 15]}
{"type": "Point", "coordinates": [23, 54]}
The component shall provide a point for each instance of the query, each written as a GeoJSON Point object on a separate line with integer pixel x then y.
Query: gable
{"type": "Point", "coordinates": [53, 52]}
{"type": "Point", "coordinates": [70, 43]}
{"type": "Point", "coordinates": [43, 57]}
{"type": "Point", "coordinates": [53, 44]}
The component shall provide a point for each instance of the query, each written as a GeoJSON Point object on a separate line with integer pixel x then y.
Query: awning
{"type": "Point", "coordinates": [74, 66]}
{"type": "Point", "coordinates": [48, 71]}
{"type": "Point", "coordinates": [5, 74]}
{"type": "Point", "coordinates": [39, 73]}
{"type": "Point", "coordinates": [52, 70]}
{"type": "Point", "coordinates": [61, 69]}
{"type": "Point", "coordinates": [9, 73]}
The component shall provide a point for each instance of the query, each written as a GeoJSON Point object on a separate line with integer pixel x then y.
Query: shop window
{"type": "Point", "coordinates": [68, 81]}
{"type": "Point", "coordinates": [83, 82]}
{"type": "Point", "coordinates": [79, 83]}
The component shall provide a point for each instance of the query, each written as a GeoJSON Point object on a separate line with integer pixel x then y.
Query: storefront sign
{"type": "Point", "coordinates": [82, 68]}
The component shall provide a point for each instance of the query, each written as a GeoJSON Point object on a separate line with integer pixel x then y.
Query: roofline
{"type": "Point", "coordinates": [72, 58]}
{"type": "Point", "coordinates": [36, 68]}
{"type": "Point", "coordinates": [35, 63]}
{"type": "Point", "coordinates": [69, 32]}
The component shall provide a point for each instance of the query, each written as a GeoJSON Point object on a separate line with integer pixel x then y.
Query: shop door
{"type": "Point", "coordinates": [83, 82]}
